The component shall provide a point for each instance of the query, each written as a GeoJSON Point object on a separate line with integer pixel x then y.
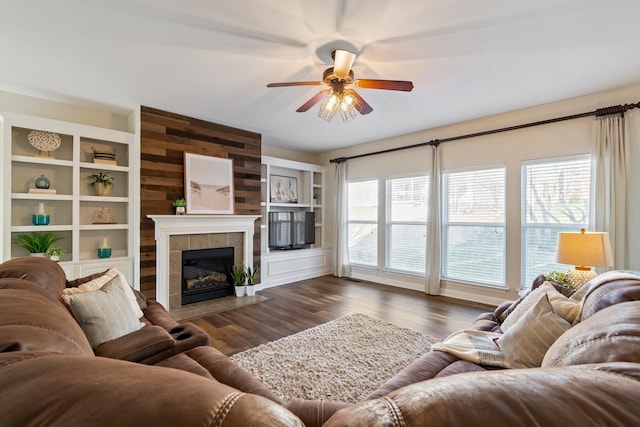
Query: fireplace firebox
{"type": "Point", "coordinates": [206, 274]}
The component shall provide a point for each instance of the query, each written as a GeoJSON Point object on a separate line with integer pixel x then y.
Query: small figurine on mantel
{"type": "Point", "coordinates": [103, 216]}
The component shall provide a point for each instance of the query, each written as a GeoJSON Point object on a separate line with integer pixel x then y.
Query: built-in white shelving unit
{"type": "Point", "coordinates": [72, 207]}
{"type": "Point", "coordinates": [285, 266]}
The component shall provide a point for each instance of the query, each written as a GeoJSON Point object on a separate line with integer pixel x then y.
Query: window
{"type": "Point", "coordinates": [406, 224]}
{"type": "Point", "coordinates": [473, 226]}
{"type": "Point", "coordinates": [363, 222]}
{"type": "Point", "coordinates": [555, 197]}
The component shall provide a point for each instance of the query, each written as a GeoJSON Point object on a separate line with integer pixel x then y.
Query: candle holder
{"type": "Point", "coordinates": [104, 252]}
{"type": "Point", "coordinates": [40, 219]}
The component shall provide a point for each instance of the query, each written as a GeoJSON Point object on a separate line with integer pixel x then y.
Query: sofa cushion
{"type": "Point", "coordinates": [104, 314]}
{"type": "Point", "coordinates": [526, 342]}
{"type": "Point", "coordinates": [32, 322]}
{"type": "Point", "coordinates": [610, 335]}
{"type": "Point", "coordinates": [112, 275]}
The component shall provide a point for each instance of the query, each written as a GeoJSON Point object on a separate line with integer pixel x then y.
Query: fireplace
{"type": "Point", "coordinates": [205, 274]}
{"type": "Point", "coordinates": [176, 233]}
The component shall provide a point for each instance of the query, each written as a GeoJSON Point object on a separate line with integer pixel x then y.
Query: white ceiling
{"type": "Point", "coordinates": [212, 59]}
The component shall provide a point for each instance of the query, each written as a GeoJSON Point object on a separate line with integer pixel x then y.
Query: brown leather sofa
{"type": "Point", "coordinates": [598, 383]}
{"type": "Point", "coordinates": [49, 375]}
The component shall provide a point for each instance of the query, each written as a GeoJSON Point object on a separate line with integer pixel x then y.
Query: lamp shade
{"type": "Point", "coordinates": [584, 249]}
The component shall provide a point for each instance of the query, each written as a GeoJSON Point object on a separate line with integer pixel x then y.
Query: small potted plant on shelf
{"type": "Point", "coordinates": [102, 182]}
{"type": "Point", "coordinates": [36, 242]}
{"type": "Point", "coordinates": [54, 253]}
{"type": "Point", "coordinates": [180, 205]}
{"type": "Point", "coordinates": [239, 277]}
{"type": "Point", "coordinates": [251, 280]}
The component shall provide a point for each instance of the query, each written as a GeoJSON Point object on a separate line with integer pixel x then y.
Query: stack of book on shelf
{"type": "Point", "coordinates": [105, 157]}
{"type": "Point", "coordinates": [42, 191]}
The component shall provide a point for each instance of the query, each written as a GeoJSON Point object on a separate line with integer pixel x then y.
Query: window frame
{"type": "Point", "coordinates": [445, 224]}
{"type": "Point", "coordinates": [388, 223]}
{"type": "Point", "coordinates": [524, 282]}
{"type": "Point", "coordinates": [375, 222]}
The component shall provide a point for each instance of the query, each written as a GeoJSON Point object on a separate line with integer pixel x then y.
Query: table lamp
{"type": "Point", "coordinates": [584, 250]}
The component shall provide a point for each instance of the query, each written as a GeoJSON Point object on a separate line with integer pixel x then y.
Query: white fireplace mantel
{"type": "Point", "coordinates": [170, 225]}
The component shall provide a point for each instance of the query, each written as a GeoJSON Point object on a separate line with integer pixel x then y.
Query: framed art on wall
{"type": "Point", "coordinates": [208, 184]}
{"type": "Point", "coordinates": [284, 189]}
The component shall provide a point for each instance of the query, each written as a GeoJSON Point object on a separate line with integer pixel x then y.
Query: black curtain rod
{"type": "Point", "coordinates": [616, 109]}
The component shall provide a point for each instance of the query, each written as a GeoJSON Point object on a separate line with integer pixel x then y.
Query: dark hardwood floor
{"type": "Point", "coordinates": [298, 306]}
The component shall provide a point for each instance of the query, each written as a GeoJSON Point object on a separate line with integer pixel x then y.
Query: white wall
{"type": "Point", "coordinates": [509, 148]}
{"type": "Point", "coordinates": [98, 115]}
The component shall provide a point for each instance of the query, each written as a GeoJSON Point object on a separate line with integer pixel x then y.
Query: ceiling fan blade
{"type": "Point", "coordinates": [295, 84]}
{"type": "Point", "coordinates": [343, 61]}
{"type": "Point", "coordinates": [313, 101]}
{"type": "Point", "coordinates": [402, 85]}
{"type": "Point", "coordinates": [360, 104]}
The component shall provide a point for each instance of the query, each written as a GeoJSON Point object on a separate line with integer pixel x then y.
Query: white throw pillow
{"type": "Point", "coordinates": [104, 314]}
{"type": "Point", "coordinates": [112, 275]}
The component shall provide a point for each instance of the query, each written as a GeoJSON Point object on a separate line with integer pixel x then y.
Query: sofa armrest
{"type": "Point", "coordinates": [137, 346]}
{"type": "Point", "coordinates": [153, 343]}
{"type": "Point", "coordinates": [586, 395]}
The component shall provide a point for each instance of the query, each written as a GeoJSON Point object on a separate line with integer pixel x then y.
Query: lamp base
{"type": "Point", "coordinates": [579, 277]}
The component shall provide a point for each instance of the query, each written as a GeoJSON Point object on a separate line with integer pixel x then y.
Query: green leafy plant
{"type": "Point", "coordinates": [56, 251]}
{"type": "Point", "coordinates": [251, 275]}
{"type": "Point", "coordinates": [36, 242]}
{"type": "Point", "coordinates": [179, 203]}
{"type": "Point", "coordinates": [559, 277]}
{"type": "Point", "coordinates": [239, 275]}
{"type": "Point", "coordinates": [101, 178]}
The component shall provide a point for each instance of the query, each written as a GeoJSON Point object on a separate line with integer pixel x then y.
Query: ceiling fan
{"type": "Point", "coordinates": [339, 97]}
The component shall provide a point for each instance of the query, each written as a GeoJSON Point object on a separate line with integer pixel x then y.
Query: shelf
{"type": "Point", "coordinates": [104, 166]}
{"type": "Point", "coordinates": [43, 228]}
{"type": "Point", "coordinates": [104, 199]}
{"type": "Point", "coordinates": [38, 196]}
{"type": "Point", "coordinates": [290, 205]}
{"type": "Point", "coordinates": [103, 227]}
{"type": "Point", "coordinates": [42, 161]}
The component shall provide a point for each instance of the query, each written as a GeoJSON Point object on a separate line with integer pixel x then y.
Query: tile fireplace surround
{"type": "Point", "coordinates": [193, 225]}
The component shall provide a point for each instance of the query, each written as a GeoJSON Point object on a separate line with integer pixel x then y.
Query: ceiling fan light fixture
{"type": "Point", "coordinates": [329, 107]}
{"type": "Point", "coordinates": [348, 111]}
{"type": "Point", "coordinates": [343, 62]}
{"type": "Point", "coordinates": [338, 102]}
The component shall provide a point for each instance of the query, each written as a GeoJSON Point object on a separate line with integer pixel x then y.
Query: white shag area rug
{"type": "Point", "coordinates": [342, 360]}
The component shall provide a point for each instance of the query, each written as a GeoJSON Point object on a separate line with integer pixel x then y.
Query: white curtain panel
{"type": "Point", "coordinates": [434, 227]}
{"type": "Point", "coordinates": [341, 266]}
{"type": "Point", "coordinates": [611, 152]}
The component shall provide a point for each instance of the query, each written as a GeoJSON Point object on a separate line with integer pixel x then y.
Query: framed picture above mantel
{"type": "Point", "coordinates": [284, 189]}
{"type": "Point", "coordinates": [208, 184]}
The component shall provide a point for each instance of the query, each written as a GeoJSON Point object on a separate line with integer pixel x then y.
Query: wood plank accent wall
{"type": "Point", "coordinates": [165, 137]}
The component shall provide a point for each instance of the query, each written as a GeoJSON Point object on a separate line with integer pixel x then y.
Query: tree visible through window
{"type": "Point", "coordinates": [473, 226]}
{"type": "Point", "coordinates": [555, 197]}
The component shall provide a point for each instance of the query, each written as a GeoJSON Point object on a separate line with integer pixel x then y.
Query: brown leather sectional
{"type": "Point", "coordinates": [50, 375]}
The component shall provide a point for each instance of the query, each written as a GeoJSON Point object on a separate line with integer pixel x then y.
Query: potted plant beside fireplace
{"type": "Point", "coordinates": [239, 276]}
{"type": "Point", "coordinates": [251, 280]}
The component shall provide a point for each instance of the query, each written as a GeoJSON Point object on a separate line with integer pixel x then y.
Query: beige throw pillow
{"type": "Point", "coordinates": [104, 314]}
{"type": "Point", "coordinates": [563, 306]}
{"type": "Point", "coordinates": [112, 275]}
{"type": "Point", "coordinates": [528, 340]}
